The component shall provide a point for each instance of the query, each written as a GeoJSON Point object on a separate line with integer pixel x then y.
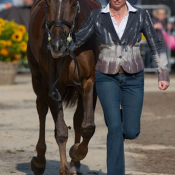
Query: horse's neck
{"type": "Point", "coordinates": [93, 4]}
{"type": "Point", "coordinates": [85, 7]}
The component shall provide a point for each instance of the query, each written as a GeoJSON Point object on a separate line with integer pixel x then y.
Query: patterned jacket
{"type": "Point", "coordinates": [125, 52]}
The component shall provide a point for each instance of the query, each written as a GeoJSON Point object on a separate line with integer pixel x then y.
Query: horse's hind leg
{"type": "Point", "coordinates": [79, 151]}
{"type": "Point", "coordinates": [61, 133]}
{"type": "Point", "coordinates": [78, 119]}
{"type": "Point", "coordinates": [38, 163]}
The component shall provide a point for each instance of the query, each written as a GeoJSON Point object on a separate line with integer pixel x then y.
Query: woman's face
{"type": "Point", "coordinates": [117, 3]}
{"type": "Point", "coordinates": [161, 14]}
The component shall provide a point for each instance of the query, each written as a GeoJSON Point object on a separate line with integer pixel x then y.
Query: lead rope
{"type": "Point", "coordinates": [53, 91]}
{"type": "Point", "coordinates": [72, 55]}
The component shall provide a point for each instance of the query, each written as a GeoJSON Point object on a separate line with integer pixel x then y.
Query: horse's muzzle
{"type": "Point", "coordinates": [57, 49]}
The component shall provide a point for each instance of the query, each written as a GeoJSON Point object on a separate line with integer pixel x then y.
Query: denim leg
{"type": "Point", "coordinates": [109, 93]}
{"type": "Point", "coordinates": [132, 102]}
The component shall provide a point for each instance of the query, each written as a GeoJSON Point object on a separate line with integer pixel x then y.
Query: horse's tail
{"type": "Point", "coordinates": [70, 96]}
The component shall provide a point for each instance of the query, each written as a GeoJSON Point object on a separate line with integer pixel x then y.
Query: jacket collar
{"type": "Point", "coordinates": [107, 22]}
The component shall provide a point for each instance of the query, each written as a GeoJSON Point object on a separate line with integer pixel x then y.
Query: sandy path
{"type": "Point", "coordinates": [152, 153]}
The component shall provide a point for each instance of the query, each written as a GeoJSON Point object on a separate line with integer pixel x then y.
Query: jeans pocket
{"type": "Point", "coordinates": [139, 75]}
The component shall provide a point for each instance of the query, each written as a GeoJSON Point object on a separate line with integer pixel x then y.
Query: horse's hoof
{"type": "Point", "coordinates": [77, 153]}
{"type": "Point", "coordinates": [37, 170]}
{"type": "Point", "coordinates": [75, 171]}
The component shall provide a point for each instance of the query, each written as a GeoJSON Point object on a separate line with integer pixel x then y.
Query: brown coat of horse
{"type": "Point", "coordinates": [84, 94]}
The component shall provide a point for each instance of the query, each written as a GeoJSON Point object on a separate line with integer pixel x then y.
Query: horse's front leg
{"type": "Point", "coordinates": [78, 119]}
{"type": "Point", "coordinates": [79, 150]}
{"type": "Point", "coordinates": [61, 133]}
{"type": "Point", "coordinates": [38, 163]}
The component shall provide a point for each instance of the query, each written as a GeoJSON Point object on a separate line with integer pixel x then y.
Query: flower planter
{"type": "Point", "coordinates": [8, 71]}
{"type": "Point", "coordinates": [13, 47]}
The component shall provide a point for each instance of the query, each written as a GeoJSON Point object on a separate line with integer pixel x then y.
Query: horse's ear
{"type": "Point", "coordinates": [47, 3]}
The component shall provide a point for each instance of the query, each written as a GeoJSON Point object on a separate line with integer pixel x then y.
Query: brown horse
{"type": "Point", "coordinates": [50, 23]}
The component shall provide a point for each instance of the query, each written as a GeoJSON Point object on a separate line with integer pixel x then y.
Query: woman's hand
{"type": "Point", "coordinates": [163, 85]}
{"type": "Point", "coordinates": [158, 26]}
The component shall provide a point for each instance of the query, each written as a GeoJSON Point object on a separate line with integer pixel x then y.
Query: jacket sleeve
{"type": "Point", "coordinates": [156, 47]}
{"type": "Point", "coordinates": [84, 33]}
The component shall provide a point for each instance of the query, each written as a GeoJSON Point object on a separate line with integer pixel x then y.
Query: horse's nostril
{"type": "Point", "coordinates": [58, 45]}
{"type": "Point", "coordinates": [63, 48]}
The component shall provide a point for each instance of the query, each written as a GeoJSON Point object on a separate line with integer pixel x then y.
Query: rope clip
{"type": "Point", "coordinates": [69, 38]}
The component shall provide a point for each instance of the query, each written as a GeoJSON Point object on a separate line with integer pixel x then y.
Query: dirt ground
{"type": "Point", "coordinates": [151, 154]}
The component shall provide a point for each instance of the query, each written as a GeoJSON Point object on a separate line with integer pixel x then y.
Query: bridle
{"type": "Point", "coordinates": [53, 91]}
{"type": "Point", "coordinates": [58, 23]}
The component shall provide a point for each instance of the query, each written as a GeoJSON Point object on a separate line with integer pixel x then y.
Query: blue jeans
{"type": "Point", "coordinates": [113, 90]}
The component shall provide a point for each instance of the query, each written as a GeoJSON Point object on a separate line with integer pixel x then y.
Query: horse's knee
{"type": "Point", "coordinates": [88, 130]}
{"type": "Point", "coordinates": [131, 134]}
{"type": "Point", "coordinates": [61, 137]}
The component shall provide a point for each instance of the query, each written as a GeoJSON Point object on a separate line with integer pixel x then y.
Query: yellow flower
{"type": "Point", "coordinates": [9, 43]}
{"type": "Point", "coordinates": [23, 46]}
{"type": "Point", "coordinates": [17, 36]}
{"type": "Point", "coordinates": [3, 43]}
{"type": "Point", "coordinates": [22, 29]}
{"type": "Point", "coordinates": [4, 52]}
{"type": "Point", "coordinates": [1, 29]}
{"type": "Point", "coordinates": [2, 22]}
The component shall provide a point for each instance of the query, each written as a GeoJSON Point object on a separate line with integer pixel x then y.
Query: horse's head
{"type": "Point", "coordinates": [60, 16]}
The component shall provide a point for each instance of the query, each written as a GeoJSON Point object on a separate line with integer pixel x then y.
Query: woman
{"type": "Point", "coordinates": [169, 39]}
{"type": "Point", "coordinates": [119, 71]}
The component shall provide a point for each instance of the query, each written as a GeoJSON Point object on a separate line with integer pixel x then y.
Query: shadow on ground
{"type": "Point", "coordinates": [52, 168]}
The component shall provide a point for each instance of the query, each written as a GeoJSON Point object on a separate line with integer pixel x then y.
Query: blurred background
{"type": "Point", "coordinates": [14, 20]}
{"type": "Point", "coordinates": [153, 153]}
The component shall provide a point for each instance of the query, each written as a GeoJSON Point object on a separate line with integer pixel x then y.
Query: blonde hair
{"type": "Point", "coordinates": [156, 10]}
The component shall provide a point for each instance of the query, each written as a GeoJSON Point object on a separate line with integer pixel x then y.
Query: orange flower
{"type": "Point", "coordinates": [14, 61]}
{"type": "Point", "coordinates": [4, 52]}
{"type": "Point", "coordinates": [17, 57]}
